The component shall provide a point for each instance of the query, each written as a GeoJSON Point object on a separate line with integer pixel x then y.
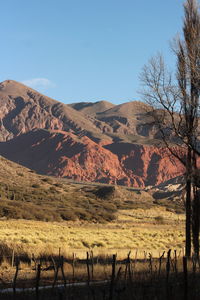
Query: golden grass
{"type": "Point", "coordinates": [137, 230]}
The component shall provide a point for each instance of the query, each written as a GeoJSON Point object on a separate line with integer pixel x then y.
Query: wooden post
{"type": "Point", "coordinates": [15, 277]}
{"type": "Point", "coordinates": [54, 264]}
{"type": "Point", "coordinates": [13, 258]}
{"type": "Point", "coordinates": [160, 263]}
{"type": "Point", "coordinates": [150, 264]}
{"type": "Point", "coordinates": [62, 270]}
{"type": "Point", "coordinates": [37, 281]}
{"type": "Point", "coordinates": [185, 277]}
{"type": "Point", "coordinates": [112, 278]}
{"type": "Point", "coordinates": [88, 269]}
{"type": "Point", "coordinates": [167, 273]}
{"type": "Point", "coordinates": [92, 264]}
{"type": "Point", "coordinates": [55, 275]}
{"type": "Point", "coordinates": [168, 265]}
{"type": "Point", "coordinates": [127, 265]}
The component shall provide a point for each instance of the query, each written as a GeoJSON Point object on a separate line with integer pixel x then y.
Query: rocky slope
{"type": "Point", "coordinates": [98, 141]}
{"type": "Point", "coordinates": [27, 195]}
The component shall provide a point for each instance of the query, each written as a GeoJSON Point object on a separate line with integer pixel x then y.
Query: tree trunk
{"type": "Point", "coordinates": [195, 222]}
{"type": "Point", "coordinates": [188, 205]}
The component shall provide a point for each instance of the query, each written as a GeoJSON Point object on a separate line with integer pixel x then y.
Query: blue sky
{"type": "Point", "coordinates": [85, 50]}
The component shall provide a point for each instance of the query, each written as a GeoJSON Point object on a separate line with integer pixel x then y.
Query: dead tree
{"type": "Point", "coordinates": [174, 98]}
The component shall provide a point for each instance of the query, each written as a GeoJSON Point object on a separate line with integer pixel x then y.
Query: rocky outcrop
{"type": "Point", "coordinates": [65, 155]}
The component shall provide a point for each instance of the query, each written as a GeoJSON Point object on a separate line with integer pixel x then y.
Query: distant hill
{"type": "Point", "coordinates": [92, 108]}
{"type": "Point", "coordinates": [99, 142]}
{"type": "Point", "coordinates": [26, 195]}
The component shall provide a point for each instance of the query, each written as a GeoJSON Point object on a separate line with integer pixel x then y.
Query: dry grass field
{"type": "Point", "coordinates": [154, 230]}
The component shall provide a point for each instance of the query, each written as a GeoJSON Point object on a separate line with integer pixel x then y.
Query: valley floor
{"type": "Point", "coordinates": [153, 230]}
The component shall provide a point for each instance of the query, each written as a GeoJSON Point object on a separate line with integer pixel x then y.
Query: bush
{"type": "Point", "coordinates": [35, 185]}
{"type": "Point", "coordinates": [46, 179]}
{"type": "Point", "coordinates": [159, 220]}
{"type": "Point", "coordinates": [105, 192]}
{"type": "Point", "coordinates": [68, 215]}
{"type": "Point", "coordinates": [20, 174]}
{"type": "Point", "coordinates": [52, 189]}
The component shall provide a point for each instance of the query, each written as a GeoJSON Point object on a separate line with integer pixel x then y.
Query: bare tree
{"type": "Point", "coordinates": [174, 97]}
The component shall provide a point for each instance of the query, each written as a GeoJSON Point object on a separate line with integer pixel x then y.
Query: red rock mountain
{"type": "Point", "coordinates": [98, 141]}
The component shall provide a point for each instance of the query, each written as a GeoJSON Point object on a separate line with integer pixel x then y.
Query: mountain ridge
{"type": "Point", "coordinates": [98, 141]}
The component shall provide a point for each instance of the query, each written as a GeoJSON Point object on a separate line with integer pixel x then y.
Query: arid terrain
{"type": "Point", "coordinates": [84, 177]}
{"type": "Point", "coordinates": [85, 146]}
{"type": "Point", "coordinates": [52, 213]}
{"type": "Point", "coordinates": [93, 142]}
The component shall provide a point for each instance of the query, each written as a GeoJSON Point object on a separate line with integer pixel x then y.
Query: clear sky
{"type": "Point", "coordinates": [85, 50]}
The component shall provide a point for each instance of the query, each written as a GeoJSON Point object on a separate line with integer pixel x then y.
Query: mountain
{"type": "Point", "coordinates": [90, 108]}
{"type": "Point", "coordinates": [98, 142]}
{"type": "Point", "coordinates": [23, 109]}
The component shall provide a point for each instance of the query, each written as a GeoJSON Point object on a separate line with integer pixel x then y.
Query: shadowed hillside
{"type": "Point", "coordinates": [26, 195]}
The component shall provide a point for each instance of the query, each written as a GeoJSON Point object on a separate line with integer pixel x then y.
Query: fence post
{"type": "Point", "coordinates": [150, 264]}
{"type": "Point", "coordinates": [56, 274]}
{"type": "Point", "coordinates": [127, 265]}
{"type": "Point", "coordinates": [88, 269]}
{"type": "Point", "coordinates": [160, 263]}
{"type": "Point", "coordinates": [168, 265]}
{"type": "Point", "coordinates": [112, 277]}
{"type": "Point", "coordinates": [62, 270]}
{"type": "Point", "coordinates": [54, 264]}
{"type": "Point", "coordinates": [13, 258]}
{"type": "Point", "coordinates": [15, 277]}
{"type": "Point", "coordinates": [92, 264]}
{"type": "Point", "coordinates": [167, 273]}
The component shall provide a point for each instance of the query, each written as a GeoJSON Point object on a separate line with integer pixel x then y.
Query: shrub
{"type": "Point", "coordinates": [68, 215]}
{"type": "Point", "coordinates": [105, 192]}
{"type": "Point", "coordinates": [58, 185]}
{"type": "Point", "coordinates": [20, 174]}
{"type": "Point", "coordinates": [35, 185]}
{"type": "Point", "coordinates": [46, 179]}
{"type": "Point", "coordinates": [159, 220]}
{"type": "Point", "coordinates": [52, 189]}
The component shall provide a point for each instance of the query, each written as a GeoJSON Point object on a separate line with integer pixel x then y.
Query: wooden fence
{"type": "Point", "coordinates": [168, 277]}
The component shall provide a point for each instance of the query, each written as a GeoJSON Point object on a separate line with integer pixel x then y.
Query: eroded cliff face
{"type": "Point", "coordinates": [64, 155]}
{"type": "Point", "coordinates": [111, 146]}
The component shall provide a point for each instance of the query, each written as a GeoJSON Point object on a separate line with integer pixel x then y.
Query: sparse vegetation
{"type": "Point", "coordinates": [35, 197]}
{"type": "Point", "coordinates": [133, 229]}
{"type": "Point", "coordinates": [159, 220]}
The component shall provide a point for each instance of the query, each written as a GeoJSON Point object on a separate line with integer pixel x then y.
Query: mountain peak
{"type": "Point", "coordinates": [12, 87]}
{"type": "Point", "coordinates": [10, 82]}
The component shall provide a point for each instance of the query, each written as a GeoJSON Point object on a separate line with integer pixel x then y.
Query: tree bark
{"type": "Point", "coordinates": [188, 205]}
